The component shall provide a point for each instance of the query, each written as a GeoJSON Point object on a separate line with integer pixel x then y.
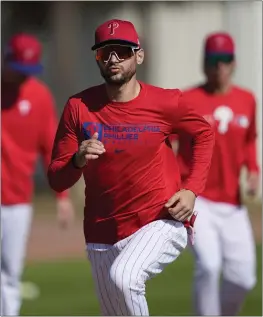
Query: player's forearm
{"type": "Point", "coordinates": [202, 156]}
{"type": "Point", "coordinates": [62, 176]}
{"type": "Point", "coordinates": [58, 194]}
{"type": "Point", "coordinates": [46, 161]}
{"type": "Point", "coordinates": [251, 154]}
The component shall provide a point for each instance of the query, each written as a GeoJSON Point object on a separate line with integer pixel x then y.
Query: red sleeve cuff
{"type": "Point", "coordinates": [192, 189]}
{"type": "Point", "coordinates": [64, 194]}
{"type": "Point", "coordinates": [254, 169]}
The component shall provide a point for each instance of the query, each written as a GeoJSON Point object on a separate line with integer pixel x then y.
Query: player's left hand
{"type": "Point", "coordinates": [65, 212]}
{"type": "Point", "coordinates": [181, 204]}
{"type": "Point", "coordinates": [252, 183]}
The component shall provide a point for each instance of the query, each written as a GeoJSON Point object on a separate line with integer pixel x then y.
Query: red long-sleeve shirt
{"type": "Point", "coordinates": [232, 116]}
{"type": "Point", "coordinates": [28, 127]}
{"type": "Point", "coordinates": [128, 186]}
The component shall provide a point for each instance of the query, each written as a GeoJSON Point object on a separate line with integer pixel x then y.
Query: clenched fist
{"type": "Point", "coordinates": [252, 183]}
{"type": "Point", "coordinates": [89, 150]}
{"type": "Point", "coordinates": [181, 204]}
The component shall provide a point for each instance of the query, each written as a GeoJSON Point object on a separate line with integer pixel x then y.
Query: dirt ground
{"type": "Point", "coordinates": [49, 242]}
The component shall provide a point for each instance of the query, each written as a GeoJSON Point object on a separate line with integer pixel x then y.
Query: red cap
{"type": "Point", "coordinates": [116, 32]}
{"type": "Point", "coordinates": [23, 54]}
{"type": "Point", "coordinates": [219, 43]}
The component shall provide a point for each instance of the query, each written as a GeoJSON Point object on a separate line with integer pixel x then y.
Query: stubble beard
{"type": "Point", "coordinates": [118, 79]}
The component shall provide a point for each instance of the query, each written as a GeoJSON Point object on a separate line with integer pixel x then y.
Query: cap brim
{"type": "Point", "coordinates": [26, 69]}
{"type": "Point", "coordinates": [115, 41]}
{"type": "Point", "coordinates": [219, 57]}
{"type": "Point", "coordinates": [216, 54]}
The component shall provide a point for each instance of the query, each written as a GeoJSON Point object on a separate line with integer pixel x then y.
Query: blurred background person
{"type": "Point", "coordinates": [224, 238]}
{"type": "Point", "coordinates": [29, 124]}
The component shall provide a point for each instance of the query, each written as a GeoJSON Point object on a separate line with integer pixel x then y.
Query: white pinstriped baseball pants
{"type": "Point", "coordinates": [121, 270]}
{"type": "Point", "coordinates": [15, 228]}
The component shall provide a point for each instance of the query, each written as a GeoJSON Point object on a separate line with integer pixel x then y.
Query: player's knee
{"type": "Point", "coordinates": [124, 279]}
{"type": "Point", "coordinates": [116, 276]}
{"type": "Point", "coordinates": [12, 276]}
{"type": "Point", "coordinates": [208, 269]}
{"type": "Point", "coordinates": [249, 283]}
{"type": "Point", "coordinates": [248, 276]}
{"type": "Point", "coordinates": [244, 275]}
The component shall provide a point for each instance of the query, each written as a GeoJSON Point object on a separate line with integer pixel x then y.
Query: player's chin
{"type": "Point", "coordinates": [116, 79]}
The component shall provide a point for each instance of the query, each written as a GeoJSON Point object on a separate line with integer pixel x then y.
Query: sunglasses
{"type": "Point", "coordinates": [120, 51]}
{"type": "Point", "coordinates": [216, 59]}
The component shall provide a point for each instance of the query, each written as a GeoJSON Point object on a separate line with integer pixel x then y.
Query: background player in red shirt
{"type": "Point", "coordinates": [115, 135]}
{"type": "Point", "coordinates": [28, 128]}
{"type": "Point", "coordinates": [224, 238]}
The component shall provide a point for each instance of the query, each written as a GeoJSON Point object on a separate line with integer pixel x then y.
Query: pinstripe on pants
{"type": "Point", "coordinates": [121, 270]}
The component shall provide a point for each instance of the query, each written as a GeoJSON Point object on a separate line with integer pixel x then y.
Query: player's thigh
{"type": "Point", "coordinates": [148, 252]}
{"type": "Point", "coordinates": [16, 229]}
{"type": "Point", "coordinates": [101, 262]}
{"type": "Point", "coordinates": [207, 245]}
{"type": "Point", "coordinates": [239, 248]}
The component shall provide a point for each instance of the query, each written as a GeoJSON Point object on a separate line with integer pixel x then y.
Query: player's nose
{"type": "Point", "coordinates": [113, 58]}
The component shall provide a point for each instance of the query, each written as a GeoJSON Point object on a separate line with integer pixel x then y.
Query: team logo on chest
{"type": "Point", "coordinates": [242, 121]}
{"type": "Point", "coordinates": [121, 134]}
{"type": "Point", "coordinates": [24, 107]}
{"type": "Point", "coordinates": [225, 117]}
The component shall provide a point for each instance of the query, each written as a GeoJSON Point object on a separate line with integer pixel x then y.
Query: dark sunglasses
{"type": "Point", "coordinates": [121, 52]}
{"type": "Point", "coordinates": [214, 60]}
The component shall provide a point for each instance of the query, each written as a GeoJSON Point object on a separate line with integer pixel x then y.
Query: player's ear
{"type": "Point", "coordinates": [233, 66]}
{"type": "Point", "coordinates": [139, 56]}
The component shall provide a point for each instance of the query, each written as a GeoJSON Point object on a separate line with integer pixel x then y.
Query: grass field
{"type": "Point", "coordinates": [67, 289]}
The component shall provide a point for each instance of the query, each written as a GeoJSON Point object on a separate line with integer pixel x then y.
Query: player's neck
{"type": "Point", "coordinates": [125, 92]}
{"type": "Point", "coordinates": [218, 89]}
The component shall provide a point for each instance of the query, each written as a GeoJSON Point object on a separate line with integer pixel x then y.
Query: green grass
{"type": "Point", "coordinates": [67, 289]}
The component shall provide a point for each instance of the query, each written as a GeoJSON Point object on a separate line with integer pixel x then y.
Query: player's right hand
{"type": "Point", "coordinates": [89, 150]}
{"type": "Point", "coordinates": [181, 204]}
{"type": "Point", "coordinates": [252, 183]}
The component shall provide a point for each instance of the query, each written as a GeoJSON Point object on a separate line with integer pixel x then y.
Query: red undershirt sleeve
{"type": "Point", "coordinates": [250, 146]}
{"type": "Point", "coordinates": [61, 172]}
{"type": "Point", "coordinates": [48, 131]}
{"type": "Point", "coordinates": [186, 121]}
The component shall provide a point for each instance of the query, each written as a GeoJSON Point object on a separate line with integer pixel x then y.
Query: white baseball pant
{"type": "Point", "coordinates": [15, 228]}
{"type": "Point", "coordinates": [121, 270]}
{"type": "Point", "coordinates": [223, 241]}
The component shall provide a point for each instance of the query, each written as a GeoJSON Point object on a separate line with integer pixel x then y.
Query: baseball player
{"type": "Point", "coordinates": [224, 239]}
{"type": "Point", "coordinates": [115, 135]}
{"type": "Point", "coordinates": [28, 128]}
